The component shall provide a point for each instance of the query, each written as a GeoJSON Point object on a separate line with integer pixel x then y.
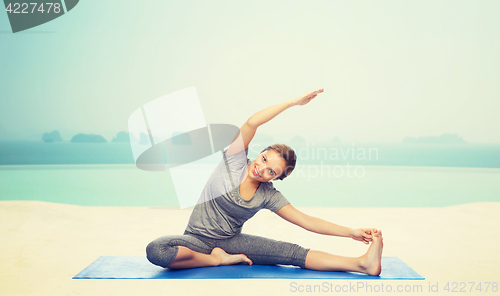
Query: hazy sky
{"type": "Point", "coordinates": [390, 69]}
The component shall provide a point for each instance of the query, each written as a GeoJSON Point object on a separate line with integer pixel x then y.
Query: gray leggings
{"type": "Point", "coordinates": [260, 250]}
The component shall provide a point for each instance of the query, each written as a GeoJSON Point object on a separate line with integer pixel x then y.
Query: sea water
{"type": "Point", "coordinates": [94, 174]}
{"type": "Point", "coordinates": [444, 155]}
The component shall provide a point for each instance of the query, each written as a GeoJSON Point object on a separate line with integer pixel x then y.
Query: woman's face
{"type": "Point", "coordinates": [267, 166]}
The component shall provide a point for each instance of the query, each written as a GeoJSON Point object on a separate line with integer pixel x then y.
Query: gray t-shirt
{"type": "Point", "coordinates": [221, 210]}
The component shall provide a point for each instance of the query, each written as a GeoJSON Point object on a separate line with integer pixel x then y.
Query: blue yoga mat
{"type": "Point", "coordinates": [138, 267]}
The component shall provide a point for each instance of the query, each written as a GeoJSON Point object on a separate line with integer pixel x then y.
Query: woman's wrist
{"type": "Point", "coordinates": [292, 102]}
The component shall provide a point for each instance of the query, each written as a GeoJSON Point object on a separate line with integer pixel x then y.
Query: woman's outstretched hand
{"type": "Point", "coordinates": [363, 234]}
{"type": "Point", "coordinates": [305, 98]}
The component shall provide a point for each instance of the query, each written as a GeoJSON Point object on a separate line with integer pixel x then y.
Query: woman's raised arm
{"type": "Point", "coordinates": [267, 114]}
{"type": "Point", "coordinates": [247, 131]}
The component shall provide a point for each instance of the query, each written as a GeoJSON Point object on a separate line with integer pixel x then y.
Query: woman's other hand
{"type": "Point", "coordinates": [305, 98]}
{"type": "Point", "coordinates": [363, 234]}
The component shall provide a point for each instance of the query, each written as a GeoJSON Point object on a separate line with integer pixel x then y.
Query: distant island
{"type": "Point", "coordinates": [54, 136]}
{"type": "Point", "coordinates": [336, 140]}
{"type": "Point", "coordinates": [144, 139]}
{"type": "Point", "coordinates": [443, 139]}
{"type": "Point", "coordinates": [121, 137]}
{"type": "Point", "coordinates": [90, 138]}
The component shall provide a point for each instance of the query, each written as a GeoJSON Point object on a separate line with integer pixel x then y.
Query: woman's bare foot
{"type": "Point", "coordinates": [370, 262]}
{"type": "Point", "coordinates": [226, 259]}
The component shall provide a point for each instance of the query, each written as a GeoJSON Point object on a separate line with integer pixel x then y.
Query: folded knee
{"type": "Point", "coordinates": [153, 252]}
{"type": "Point", "coordinates": [160, 254]}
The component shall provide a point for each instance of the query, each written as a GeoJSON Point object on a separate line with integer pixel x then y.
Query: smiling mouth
{"type": "Point", "coordinates": [255, 172]}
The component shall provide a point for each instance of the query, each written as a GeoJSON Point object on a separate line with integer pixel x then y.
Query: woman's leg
{"type": "Point", "coordinates": [269, 252]}
{"type": "Point", "coordinates": [264, 251]}
{"type": "Point", "coordinates": [369, 263]}
{"type": "Point", "coordinates": [164, 250]}
{"type": "Point", "coordinates": [187, 258]}
{"type": "Point", "coordinates": [189, 251]}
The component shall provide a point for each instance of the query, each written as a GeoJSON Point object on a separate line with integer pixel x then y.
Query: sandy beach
{"type": "Point", "coordinates": [45, 244]}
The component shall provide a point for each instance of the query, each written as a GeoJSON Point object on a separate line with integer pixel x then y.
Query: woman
{"type": "Point", "coordinates": [213, 235]}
